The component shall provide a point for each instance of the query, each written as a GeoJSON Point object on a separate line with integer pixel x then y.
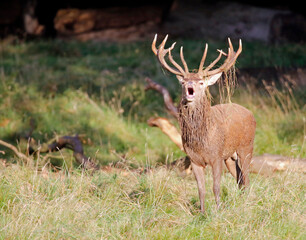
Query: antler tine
{"type": "Point", "coordinates": [232, 57]}
{"type": "Point", "coordinates": [162, 45]}
{"type": "Point", "coordinates": [172, 60]}
{"type": "Point", "coordinates": [183, 60]}
{"type": "Point", "coordinates": [230, 44]}
{"type": "Point", "coordinates": [203, 58]}
{"type": "Point", "coordinates": [161, 52]}
{"type": "Point", "coordinates": [228, 63]}
{"type": "Point", "coordinates": [239, 49]}
{"type": "Point", "coordinates": [154, 49]}
{"type": "Point", "coordinates": [206, 70]}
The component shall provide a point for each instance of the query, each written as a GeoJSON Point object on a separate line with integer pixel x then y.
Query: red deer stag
{"type": "Point", "coordinates": [211, 134]}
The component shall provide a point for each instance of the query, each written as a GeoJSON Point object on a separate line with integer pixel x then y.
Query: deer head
{"type": "Point", "coordinates": [195, 83]}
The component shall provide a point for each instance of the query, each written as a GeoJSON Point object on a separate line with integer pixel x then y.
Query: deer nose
{"type": "Point", "coordinates": [189, 84]}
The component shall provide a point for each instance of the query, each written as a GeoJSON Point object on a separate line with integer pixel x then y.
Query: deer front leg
{"type": "Point", "coordinates": [217, 171]}
{"type": "Point", "coordinates": [200, 177]}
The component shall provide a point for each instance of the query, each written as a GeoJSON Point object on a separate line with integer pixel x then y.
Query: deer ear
{"type": "Point", "coordinates": [213, 79]}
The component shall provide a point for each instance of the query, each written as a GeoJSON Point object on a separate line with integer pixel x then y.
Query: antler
{"type": "Point", "coordinates": [228, 63]}
{"type": "Point", "coordinates": [178, 70]}
{"type": "Point", "coordinates": [161, 52]}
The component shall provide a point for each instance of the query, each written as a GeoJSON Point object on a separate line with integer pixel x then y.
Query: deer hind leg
{"type": "Point", "coordinates": [230, 163]}
{"type": "Point", "coordinates": [244, 159]}
{"type": "Point", "coordinates": [198, 172]}
{"type": "Point", "coordinates": [235, 170]}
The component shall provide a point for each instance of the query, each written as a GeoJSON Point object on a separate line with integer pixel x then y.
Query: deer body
{"type": "Point", "coordinates": [222, 132]}
{"type": "Point", "coordinates": [211, 135]}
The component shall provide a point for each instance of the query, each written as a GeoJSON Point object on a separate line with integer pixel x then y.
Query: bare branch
{"type": "Point", "coordinates": [163, 91]}
{"type": "Point", "coordinates": [15, 150]}
{"type": "Point", "coordinates": [69, 142]}
{"type": "Point", "coordinates": [167, 128]}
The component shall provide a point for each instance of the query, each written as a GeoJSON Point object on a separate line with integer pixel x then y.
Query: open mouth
{"type": "Point", "coordinates": [190, 93]}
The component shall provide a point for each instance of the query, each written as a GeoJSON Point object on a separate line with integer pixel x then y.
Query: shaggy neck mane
{"type": "Point", "coordinates": [194, 121]}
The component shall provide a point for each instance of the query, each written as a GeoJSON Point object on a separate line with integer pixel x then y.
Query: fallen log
{"type": "Point", "coordinates": [70, 142]}
{"type": "Point", "coordinates": [76, 21]}
{"type": "Point", "coordinates": [168, 129]}
{"type": "Point", "coordinates": [277, 163]}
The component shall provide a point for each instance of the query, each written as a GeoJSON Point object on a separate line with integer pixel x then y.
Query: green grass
{"type": "Point", "coordinates": [157, 205]}
{"type": "Point", "coordinates": [52, 88]}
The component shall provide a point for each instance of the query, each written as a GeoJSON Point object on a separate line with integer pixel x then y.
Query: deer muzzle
{"type": "Point", "coordinates": [190, 91]}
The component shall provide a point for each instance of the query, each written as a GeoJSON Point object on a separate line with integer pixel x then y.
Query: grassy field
{"type": "Point", "coordinates": [54, 88]}
{"type": "Point", "coordinates": [156, 205]}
